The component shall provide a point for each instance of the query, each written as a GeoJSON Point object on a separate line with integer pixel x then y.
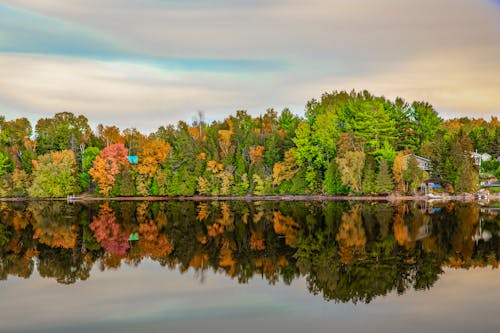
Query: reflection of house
{"type": "Point", "coordinates": [484, 235]}
{"type": "Point", "coordinates": [423, 163]}
{"type": "Point", "coordinates": [423, 232]}
{"type": "Point", "coordinates": [479, 158]}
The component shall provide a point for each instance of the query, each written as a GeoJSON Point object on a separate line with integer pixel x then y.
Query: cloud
{"type": "Point", "coordinates": [35, 33]}
{"type": "Point", "coordinates": [167, 59]}
{"type": "Point", "coordinates": [24, 31]}
{"type": "Point", "coordinates": [345, 29]}
{"type": "Point", "coordinates": [111, 92]}
{"type": "Point", "coordinates": [455, 84]}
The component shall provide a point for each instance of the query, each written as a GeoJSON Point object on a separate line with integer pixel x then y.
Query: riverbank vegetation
{"type": "Point", "coordinates": [346, 143]}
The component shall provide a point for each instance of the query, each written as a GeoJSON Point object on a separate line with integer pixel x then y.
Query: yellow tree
{"type": "Point", "coordinates": [285, 170]}
{"type": "Point", "coordinates": [226, 182]}
{"type": "Point", "coordinates": [109, 134]}
{"type": "Point", "coordinates": [351, 169]}
{"type": "Point", "coordinates": [398, 170]}
{"type": "Point", "coordinates": [464, 236]}
{"type": "Point", "coordinates": [54, 175]}
{"type": "Point", "coordinates": [50, 229]}
{"type": "Point", "coordinates": [153, 153]}
{"type": "Point", "coordinates": [256, 154]}
{"type": "Point", "coordinates": [225, 139]}
{"type": "Point", "coordinates": [197, 134]}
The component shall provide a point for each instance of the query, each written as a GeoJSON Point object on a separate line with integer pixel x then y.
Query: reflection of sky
{"type": "Point", "coordinates": [153, 299]}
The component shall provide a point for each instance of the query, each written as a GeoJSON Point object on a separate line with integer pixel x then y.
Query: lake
{"type": "Point", "coordinates": [249, 267]}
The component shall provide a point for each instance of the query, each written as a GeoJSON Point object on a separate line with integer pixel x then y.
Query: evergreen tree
{"type": "Point", "coordinates": [369, 177]}
{"type": "Point", "coordinates": [155, 190]}
{"type": "Point", "coordinates": [384, 183]}
{"type": "Point", "coordinates": [333, 180]}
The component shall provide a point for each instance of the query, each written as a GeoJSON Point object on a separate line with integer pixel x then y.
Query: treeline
{"type": "Point", "coordinates": [346, 143]}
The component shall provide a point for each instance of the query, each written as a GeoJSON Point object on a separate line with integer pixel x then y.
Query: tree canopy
{"type": "Point", "coordinates": [346, 143]}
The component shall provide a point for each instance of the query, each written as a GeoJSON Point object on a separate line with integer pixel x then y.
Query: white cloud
{"type": "Point", "coordinates": [129, 95]}
{"type": "Point", "coordinates": [446, 52]}
{"type": "Point", "coordinates": [448, 81]}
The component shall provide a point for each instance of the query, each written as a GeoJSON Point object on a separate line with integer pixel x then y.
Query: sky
{"type": "Point", "coordinates": [149, 63]}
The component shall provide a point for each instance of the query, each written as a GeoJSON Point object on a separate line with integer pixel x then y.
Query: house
{"type": "Point", "coordinates": [133, 159]}
{"type": "Point", "coordinates": [479, 158]}
{"type": "Point", "coordinates": [423, 163]}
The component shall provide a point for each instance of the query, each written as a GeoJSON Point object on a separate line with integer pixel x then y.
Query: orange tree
{"type": "Point", "coordinates": [107, 165]}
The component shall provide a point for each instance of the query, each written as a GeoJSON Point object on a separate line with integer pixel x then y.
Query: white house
{"type": "Point", "coordinates": [423, 163]}
{"type": "Point", "coordinates": [479, 158]}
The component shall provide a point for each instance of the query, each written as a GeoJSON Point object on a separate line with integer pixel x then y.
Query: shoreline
{"type": "Point", "coordinates": [387, 198]}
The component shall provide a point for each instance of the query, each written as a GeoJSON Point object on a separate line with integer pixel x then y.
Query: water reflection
{"type": "Point", "coordinates": [346, 251]}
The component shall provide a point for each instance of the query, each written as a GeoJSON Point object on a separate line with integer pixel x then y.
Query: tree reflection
{"type": "Point", "coordinates": [346, 252]}
{"type": "Point", "coordinates": [108, 232]}
{"type": "Point", "coordinates": [54, 224]}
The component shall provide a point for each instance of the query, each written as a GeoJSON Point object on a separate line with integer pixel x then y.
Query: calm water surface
{"type": "Point", "coordinates": [249, 267]}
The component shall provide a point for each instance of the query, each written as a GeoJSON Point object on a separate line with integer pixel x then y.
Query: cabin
{"type": "Point", "coordinates": [479, 158]}
{"type": "Point", "coordinates": [133, 159]}
{"type": "Point", "coordinates": [423, 163]}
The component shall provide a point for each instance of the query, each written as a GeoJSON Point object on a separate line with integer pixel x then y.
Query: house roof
{"type": "Point", "coordinates": [417, 157]}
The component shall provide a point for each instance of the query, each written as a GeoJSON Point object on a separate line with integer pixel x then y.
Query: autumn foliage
{"type": "Point", "coordinates": [54, 175]}
{"type": "Point", "coordinates": [152, 242]}
{"type": "Point", "coordinates": [107, 165]}
{"type": "Point", "coordinates": [108, 232]}
{"type": "Point", "coordinates": [346, 143]}
{"type": "Point", "coordinates": [153, 153]}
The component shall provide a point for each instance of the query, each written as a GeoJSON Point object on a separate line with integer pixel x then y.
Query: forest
{"type": "Point", "coordinates": [347, 143]}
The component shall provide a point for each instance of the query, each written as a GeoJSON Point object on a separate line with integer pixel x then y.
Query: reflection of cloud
{"type": "Point", "coordinates": [151, 298]}
{"type": "Point", "coordinates": [129, 296]}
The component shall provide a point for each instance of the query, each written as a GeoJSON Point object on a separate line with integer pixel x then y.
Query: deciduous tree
{"type": "Point", "coordinates": [153, 153]}
{"type": "Point", "coordinates": [351, 169]}
{"type": "Point", "coordinates": [54, 175]}
{"type": "Point", "coordinates": [107, 165]}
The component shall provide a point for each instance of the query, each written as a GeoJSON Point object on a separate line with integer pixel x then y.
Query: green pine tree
{"type": "Point", "coordinates": [384, 183]}
{"type": "Point", "coordinates": [333, 180]}
{"type": "Point", "coordinates": [369, 178]}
